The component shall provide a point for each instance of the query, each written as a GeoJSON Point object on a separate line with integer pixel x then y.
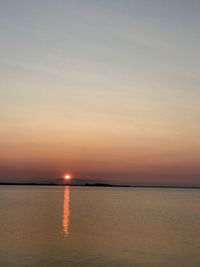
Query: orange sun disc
{"type": "Point", "coordinates": [67, 177]}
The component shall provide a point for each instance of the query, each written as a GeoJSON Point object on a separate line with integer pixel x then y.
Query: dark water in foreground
{"type": "Point", "coordinates": [79, 226]}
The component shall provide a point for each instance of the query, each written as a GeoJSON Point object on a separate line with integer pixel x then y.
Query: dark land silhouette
{"type": "Point", "coordinates": [80, 182]}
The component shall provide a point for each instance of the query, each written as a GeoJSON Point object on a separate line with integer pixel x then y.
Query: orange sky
{"type": "Point", "coordinates": [113, 96]}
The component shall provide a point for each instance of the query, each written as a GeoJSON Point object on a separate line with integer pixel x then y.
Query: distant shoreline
{"type": "Point", "coordinates": [103, 185]}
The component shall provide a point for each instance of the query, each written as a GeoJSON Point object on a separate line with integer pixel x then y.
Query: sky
{"type": "Point", "coordinates": [105, 90]}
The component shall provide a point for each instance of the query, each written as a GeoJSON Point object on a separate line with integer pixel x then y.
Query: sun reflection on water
{"type": "Point", "coordinates": [66, 212]}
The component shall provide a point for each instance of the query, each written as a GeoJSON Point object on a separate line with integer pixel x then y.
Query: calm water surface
{"type": "Point", "coordinates": [79, 226]}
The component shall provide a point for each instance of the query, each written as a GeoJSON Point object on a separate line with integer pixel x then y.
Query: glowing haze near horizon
{"type": "Point", "coordinates": [101, 89]}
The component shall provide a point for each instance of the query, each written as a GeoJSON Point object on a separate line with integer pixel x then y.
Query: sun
{"type": "Point", "coordinates": [67, 177]}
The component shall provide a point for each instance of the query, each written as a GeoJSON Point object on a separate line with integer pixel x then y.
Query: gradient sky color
{"type": "Point", "coordinates": [101, 89]}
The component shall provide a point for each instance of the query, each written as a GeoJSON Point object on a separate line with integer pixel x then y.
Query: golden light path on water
{"type": "Point", "coordinates": [66, 212]}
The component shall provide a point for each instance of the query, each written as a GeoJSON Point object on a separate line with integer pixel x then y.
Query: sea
{"type": "Point", "coordinates": [44, 226]}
